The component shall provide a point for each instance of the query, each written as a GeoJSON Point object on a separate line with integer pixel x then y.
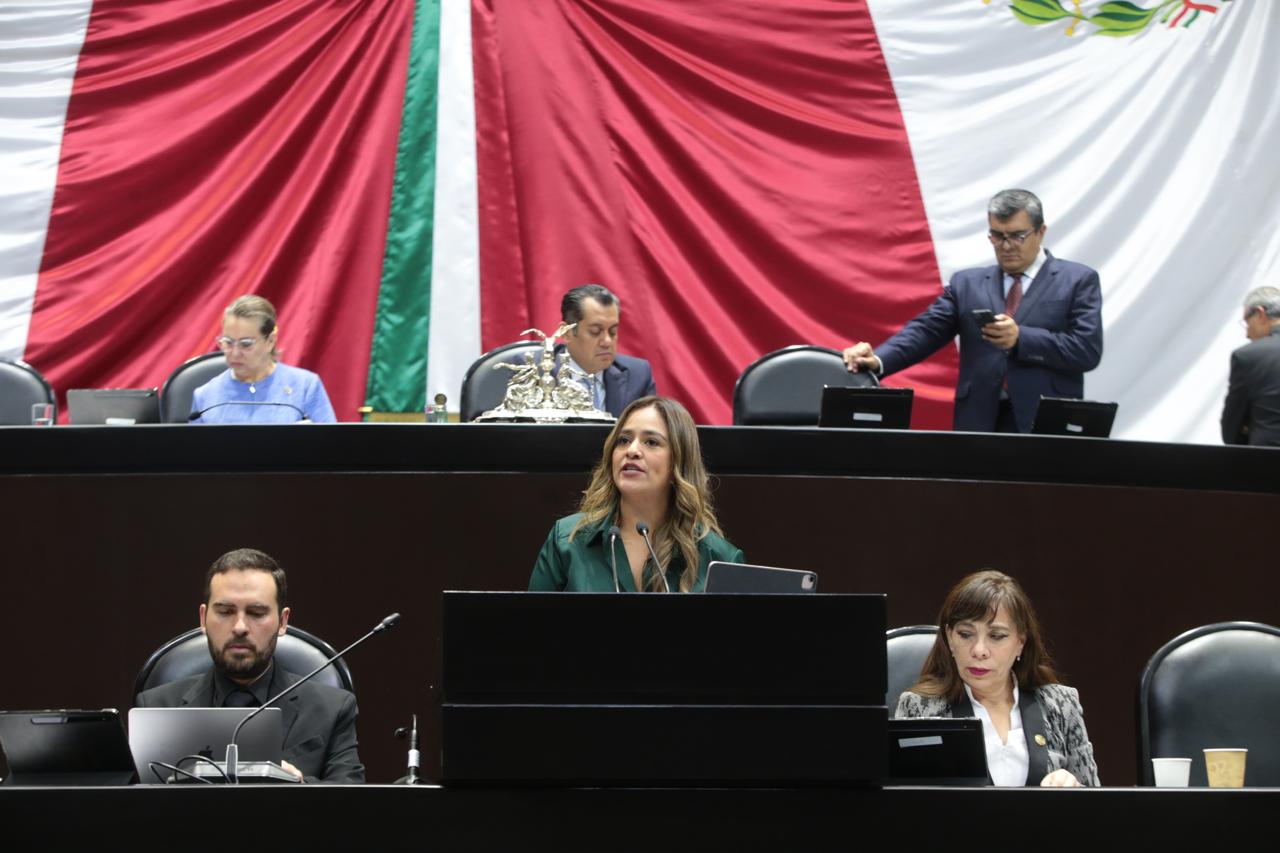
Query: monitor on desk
{"type": "Point", "coordinates": [113, 406]}
{"type": "Point", "coordinates": [65, 747]}
{"type": "Point", "coordinates": [866, 407]}
{"type": "Point", "coordinates": [1066, 416]}
{"type": "Point", "coordinates": [937, 751]}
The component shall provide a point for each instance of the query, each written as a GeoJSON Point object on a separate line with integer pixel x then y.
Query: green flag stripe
{"type": "Point", "coordinates": [398, 352]}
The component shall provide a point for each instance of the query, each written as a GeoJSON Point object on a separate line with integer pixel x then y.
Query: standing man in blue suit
{"type": "Point", "coordinates": [593, 348]}
{"type": "Point", "coordinates": [1045, 334]}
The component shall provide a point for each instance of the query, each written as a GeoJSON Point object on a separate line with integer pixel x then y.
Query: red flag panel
{"type": "Point", "coordinates": [214, 149]}
{"type": "Point", "coordinates": [738, 173]}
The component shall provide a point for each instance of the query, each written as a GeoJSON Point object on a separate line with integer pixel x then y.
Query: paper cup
{"type": "Point", "coordinates": [1225, 767]}
{"type": "Point", "coordinates": [1171, 772]}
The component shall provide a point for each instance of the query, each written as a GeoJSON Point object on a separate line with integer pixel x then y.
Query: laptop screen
{"type": "Point", "coordinates": [170, 734]}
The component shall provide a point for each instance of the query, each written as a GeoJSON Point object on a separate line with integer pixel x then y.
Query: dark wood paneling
{"type": "Point", "coordinates": [100, 568]}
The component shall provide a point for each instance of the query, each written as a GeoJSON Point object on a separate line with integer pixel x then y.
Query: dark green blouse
{"type": "Point", "coordinates": [583, 564]}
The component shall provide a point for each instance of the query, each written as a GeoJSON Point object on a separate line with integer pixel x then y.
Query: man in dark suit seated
{"type": "Point", "coordinates": [1045, 330]}
{"type": "Point", "coordinates": [1251, 414]}
{"type": "Point", "coordinates": [593, 347]}
{"type": "Point", "coordinates": [242, 616]}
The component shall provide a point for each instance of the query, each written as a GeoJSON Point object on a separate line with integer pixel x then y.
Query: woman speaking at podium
{"type": "Point", "coordinates": [645, 523]}
{"type": "Point", "coordinates": [989, 661]}
{"type": "Point", "coordinates": [256, 388]}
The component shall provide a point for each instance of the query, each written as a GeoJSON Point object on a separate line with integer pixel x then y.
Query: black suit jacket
{"type": "Point", "coordinates": [1059, 339]}
{"type": "Point", "coordinates": [1253, 394]}
{"type": "Point", "coordinates": [319, 722]}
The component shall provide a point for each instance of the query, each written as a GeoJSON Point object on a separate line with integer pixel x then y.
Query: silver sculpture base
{"type": "Point", "coordinates": [546, 416]}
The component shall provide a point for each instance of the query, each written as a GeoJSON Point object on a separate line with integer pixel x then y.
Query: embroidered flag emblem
{"type": "Point", "coordinates": [1116, 18]}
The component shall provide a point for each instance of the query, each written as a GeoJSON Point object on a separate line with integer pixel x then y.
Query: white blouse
{"type": "Point", "coordinates": [1007, 762]}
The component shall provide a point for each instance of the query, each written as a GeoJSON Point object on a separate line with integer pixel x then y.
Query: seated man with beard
{"type": "Point", "coordinates": [242, 615]}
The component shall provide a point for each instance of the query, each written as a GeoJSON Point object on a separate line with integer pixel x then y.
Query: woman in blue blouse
{"type": "Point", "coordinates": [256, 388]}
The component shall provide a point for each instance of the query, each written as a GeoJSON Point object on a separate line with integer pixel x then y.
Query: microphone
{"type": "Point", "coordinates": [200, 414]}
{"type": "Point", "coordinates": [233, 751]}
{"type": "Point", "coordinates": [614, 533]}
{"type": "Point", "coordinates": [643, 529]}
{"type": "Point", "coordinates": [415, 757]}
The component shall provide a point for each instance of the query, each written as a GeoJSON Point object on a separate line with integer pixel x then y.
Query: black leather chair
{"type": "Point", "coordinates": [187, 655]}
{"type": "Point", "coordinates": [484, 387]}
{"type": "Point", "coordinates": [21, 387]}
{"type": "Point", "coordinates": [784, 387]}
{"type": "Point", "coordinates": [180, 387]}
{"type": "Point", "coordinates": [907, 649]}
{"type": "Point", "coordinates": [1217, 685]}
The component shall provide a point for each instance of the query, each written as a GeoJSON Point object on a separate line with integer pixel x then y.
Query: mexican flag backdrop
{"type": "Point", "coordinates": [413, 183]}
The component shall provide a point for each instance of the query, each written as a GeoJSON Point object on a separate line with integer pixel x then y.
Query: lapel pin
{"type": "Point", "coordinates": [1040, 741]}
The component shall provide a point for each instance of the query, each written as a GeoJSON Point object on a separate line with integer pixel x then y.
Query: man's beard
{"type": "Point", "coordinates": [242, 667]}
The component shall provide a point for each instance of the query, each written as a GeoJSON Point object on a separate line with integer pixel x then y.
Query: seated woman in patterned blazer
{"type": "Point", "coordinates": [990, 662]}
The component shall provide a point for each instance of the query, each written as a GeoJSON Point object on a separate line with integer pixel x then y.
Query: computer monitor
{"type": "Point", "coordinates": [935, 751]}
{"type": "Point", "coordinates": [116, 406]}
{"type": "Point", "coordinates": [1066, 416]}
{"type": "Point", "coordinates": [866, 407]}
{"type": "Point", "coordinates": [66, 747]}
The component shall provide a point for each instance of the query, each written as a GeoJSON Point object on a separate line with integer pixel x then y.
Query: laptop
{"type": "Point", "coordinates": [171, 734]}
{"type": "Point", "coordinates": [115, 406]}
{"type": "Point", "coordinates": [1066, 416]}
{"type": "Point", "coordinates": [66, 747]}
{"type": "Point", "coordinates": [742, 577]}
{"type": "Point", "coordinates": [937, 751]}
{"type": "Point", "coordinates": [865, 407]}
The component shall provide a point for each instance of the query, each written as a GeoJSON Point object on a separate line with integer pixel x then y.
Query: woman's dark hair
{"type": "Point", "coordinates": [976, 598]}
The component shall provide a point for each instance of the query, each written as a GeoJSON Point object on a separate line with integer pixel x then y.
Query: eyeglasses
{"type": "Point", "coordinates": [224, 343]}
{"type": "Point", "coordinates": [1016, 238]}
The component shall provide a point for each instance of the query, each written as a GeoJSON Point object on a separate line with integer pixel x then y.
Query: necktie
{"type": "Point", "coordinates": [1013, 298]}
{"type": "Point", "coordinates": [240, 699]}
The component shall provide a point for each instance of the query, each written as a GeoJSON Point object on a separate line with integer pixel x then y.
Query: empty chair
{"type": "Point", "coordinates": [784, 387]}
{"type": "Point", "coordinates": [21, 387]}
{"type": "Point", "coordinates": [180, 387]}
{"type": "Point", "coordinates": [1214, 686]}
{"type": "Point", "coordinates": [484, 387]}
{"type": "Point", "coordinates": [907, 649]}
{"type": "Point", "coordinates": [187, 655]}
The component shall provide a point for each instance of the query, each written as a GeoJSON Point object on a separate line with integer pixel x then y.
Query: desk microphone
{"type": "Point", "coordinates": [614, 533]}
{"type": "Point", "coordinates": [233, 751]}
{"type": "Point", "coordinates": [415, 757]}
{"type": "Point", "coordinates": [643, 529]}
{"type": "Point", "coordinates": [200, 414]}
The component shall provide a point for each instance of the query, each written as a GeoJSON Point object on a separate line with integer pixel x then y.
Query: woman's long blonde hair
{"type": "Point", "coordinates": [689, 513]}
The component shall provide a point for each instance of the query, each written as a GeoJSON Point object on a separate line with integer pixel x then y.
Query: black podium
{"type": "Point", "coordinates": [587, 689]}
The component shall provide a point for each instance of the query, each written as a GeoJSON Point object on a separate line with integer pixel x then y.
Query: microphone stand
{"type": "Point", "coordinates": [643, 529]}
{"type": "Point", "coordinates": [200, 414]}
{"type": "Point", "coordinates": [614, 533]}
{"type": "Point", "coordinates": [233, 751]}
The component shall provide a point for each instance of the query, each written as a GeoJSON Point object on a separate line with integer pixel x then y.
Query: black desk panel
{"type": "Point", "coordinates": [317, 817]}
{"type": "Point", "coordinates": [108, 531]}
